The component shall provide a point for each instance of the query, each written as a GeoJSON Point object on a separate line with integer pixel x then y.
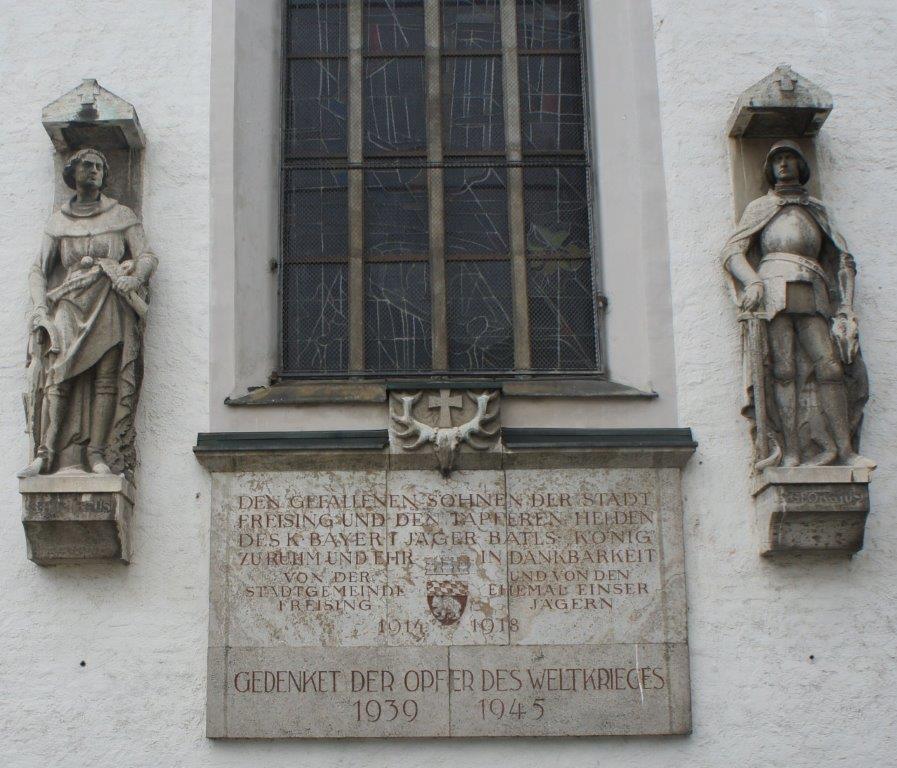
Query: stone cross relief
{"type": "Point", "coordinates": [445, 402]}
{"type": "Point", "coordinates": [786, 78]}
{"type": "Point", "coordinates": [410, 427]}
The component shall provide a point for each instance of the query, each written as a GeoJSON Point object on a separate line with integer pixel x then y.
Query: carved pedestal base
{"type": "Point", "coordinates": [77, 518]}
{"type": "Point", "coordinates": [812, 509]}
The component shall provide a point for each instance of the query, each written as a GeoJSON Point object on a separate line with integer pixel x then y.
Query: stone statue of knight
{"type": "Point", "coordinates": [793, 279]}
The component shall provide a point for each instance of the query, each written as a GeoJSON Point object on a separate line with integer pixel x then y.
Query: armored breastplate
{"type": "Point", "coordinates": [793, 230]}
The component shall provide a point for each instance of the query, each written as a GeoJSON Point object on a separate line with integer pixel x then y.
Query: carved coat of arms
{"type": "Point", "coordinates": [447, 599]}
{"type": "Point", "coordinates": [447, 588]}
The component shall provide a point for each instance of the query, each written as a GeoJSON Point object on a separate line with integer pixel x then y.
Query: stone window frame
{"type": "Point", "coordinates": [639, 383]}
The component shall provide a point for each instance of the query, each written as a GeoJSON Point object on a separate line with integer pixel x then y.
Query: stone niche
{"type": "Point", "coordinates": [91, 116]}
{"type": "Point", "coordinates": [73, 516]}
{"type": "Point", "coordinates": [783, 105]}
{"type": "Point", "coordinates": [801, 509]}
{"type": "Point", "coordinates": [359, 588]}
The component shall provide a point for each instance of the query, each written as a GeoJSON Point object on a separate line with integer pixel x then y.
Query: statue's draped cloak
{"type": "Point", "coordinates": [745, 241]}
{"type": "Point", "coordinates": [79, 255]}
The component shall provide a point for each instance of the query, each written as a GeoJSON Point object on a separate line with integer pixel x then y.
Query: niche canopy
{"type": "Point", "coordinates": [783, 105]}
{"type": "Point", "coordinates": [90, 113]}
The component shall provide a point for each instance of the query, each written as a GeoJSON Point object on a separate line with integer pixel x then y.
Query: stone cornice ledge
{"type": "Point", "coordinates": [357, 391]}
{"type": "Point", "coordinates": [560, 448]}
{"type": "Point", "coordinates": [521, 448]}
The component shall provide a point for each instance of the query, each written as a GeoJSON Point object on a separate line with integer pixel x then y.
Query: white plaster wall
{"type": "Point", "coordinates": [141, 629]}
{"type": "Point", "coordinates": [759, 700]}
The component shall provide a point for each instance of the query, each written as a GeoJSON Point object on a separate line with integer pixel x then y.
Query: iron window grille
{"type": "Point", "coordinates": [436, 212]}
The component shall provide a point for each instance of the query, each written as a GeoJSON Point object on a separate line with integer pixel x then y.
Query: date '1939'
{"type": "Point", "coordinates": [373, 711]}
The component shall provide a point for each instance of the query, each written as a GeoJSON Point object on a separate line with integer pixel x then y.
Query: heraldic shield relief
{"type": "Point", "coordinates": [447, 588]}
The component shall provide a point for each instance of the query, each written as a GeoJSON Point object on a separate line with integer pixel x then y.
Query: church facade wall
{"type": "Point", "coordinates": [792, 663]}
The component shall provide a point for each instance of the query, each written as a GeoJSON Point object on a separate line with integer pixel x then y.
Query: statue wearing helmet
{"type": "Point", "coordinates": [793, 279]}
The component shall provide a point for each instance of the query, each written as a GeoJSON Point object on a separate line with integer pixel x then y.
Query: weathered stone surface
{"type": "Point", "coordinates": [328, 692]}
{"type": "Point", "coordinates": [572, 690]}
{"type": "Point", "coordinates": [77, 518]}
{"type": "Point", "coordinates": [449, 420]}
{"type": "Point", "coordinates": [782, 105]}
{"type": "Point", "coordinates": [793, 278]}
{"type": "Point", "coordinates": [405, 603]}
{"type": "Point", "coordinates": [91, 110]}
{"type": "Point", "coordinates": [89, 291]}
{"type": "Point", "coordinates": [560, 594]}
{"type": "Point", "coordinates": [812, 509]}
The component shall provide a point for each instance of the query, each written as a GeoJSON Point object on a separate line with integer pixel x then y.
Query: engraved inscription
{"type": "Point", "coordinates": [362, 603]}
{"type": "Point", "coordinates": [826, 498]}
{"type": "Point", "coordinates": [46, 506]}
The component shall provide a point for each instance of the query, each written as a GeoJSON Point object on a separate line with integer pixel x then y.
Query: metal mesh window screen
{"type": "Point", "coordinates": [397, 316]}
{"type": "Point", "coordinates": [480, 315]}
{"type": "Point", "coordinates": [436, 200]}
{"type": "Point", "coordinates": [316, 317]}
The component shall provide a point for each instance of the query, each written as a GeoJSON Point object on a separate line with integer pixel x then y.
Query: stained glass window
{"type": "Point", "coordinates": [436, 189]}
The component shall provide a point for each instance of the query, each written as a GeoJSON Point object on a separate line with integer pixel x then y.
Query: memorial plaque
{"type": "Point", "coordinates": [516, 602]}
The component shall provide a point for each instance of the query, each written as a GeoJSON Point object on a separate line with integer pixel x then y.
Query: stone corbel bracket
{"type": "Point", "coordinates": [812, 509]}
{"type": "Point", "coordinates": [77, 518]}
{"type": "Point", "coordinates": [415, 425]}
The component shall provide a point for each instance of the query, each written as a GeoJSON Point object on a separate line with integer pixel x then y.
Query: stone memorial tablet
{"type": "Point", "coordinates": [508, 602]}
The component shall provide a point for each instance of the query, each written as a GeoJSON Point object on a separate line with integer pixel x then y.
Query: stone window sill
{"type": "Point", "coordinates": [375, 391]}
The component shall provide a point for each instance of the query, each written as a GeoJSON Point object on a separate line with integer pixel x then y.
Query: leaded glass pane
{"type": "Point", "coordinates": [562, 320]}
{"type": "Point", "coordinates": [476, 211]}
{"type": "Point", "coordinates": [548, 24]}
{"type": "Point", "coordinates": [471, 24]}
{"type": "Point", "coordinates": [556, 209]}
{"type": "Point", "coordinates": [316, 215]}
{"type": "Point", "coordinates": [316, 108]}
{"type": "Point", "coordinates": [551, 103]}
{"type": "Point", "coordinates": [397, 312]}
{"type": "Point", "coordinates": [394, 26]}
{"type": "Point", "coordinates": [394, 105]}
{"type": "Point", "coordinates": [473, 104]}
{"type": "Point", "coordinates": [396, 216]}
{"type": "Point", "coordinates": [317, 26]}
{"type": "Point", "coordinates": [315, 318]}
{"type": "Point", "coordinates": [480, 315]}
{"type": "Point", "coordinates": [473, 209]}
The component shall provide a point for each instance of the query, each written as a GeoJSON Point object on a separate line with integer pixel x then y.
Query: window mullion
{"type": "Point", "coordinates": [356, 187]}
{"type": "Point", "coordinates": [516, 222]}
{"type": "Point", "coordinates": [433, 26]}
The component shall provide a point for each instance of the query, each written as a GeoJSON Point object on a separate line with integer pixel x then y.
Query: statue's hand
{"type": "Point", "coordinates": [125, 284]}
{"type": "Point", "coordinates": [846, 334]}
{"type": "Point", "coordinates": [752, 296]}
{"type": "Point", "coordinates": [38, 317]}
